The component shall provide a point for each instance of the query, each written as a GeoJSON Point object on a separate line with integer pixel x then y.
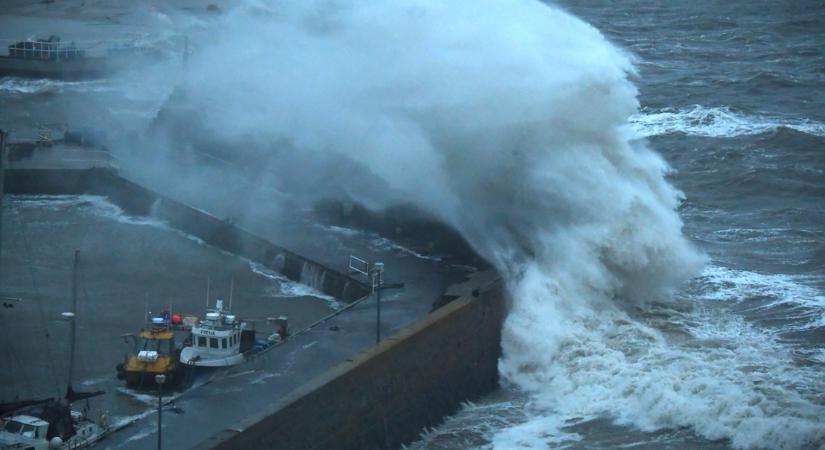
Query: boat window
{"type": "Point", "coordinates": [139, 343]}
{"type": "Point", "coordinates": [165, 346]}
{"type": "Point", "coordinates": [12, 426]}
{"type": "Point", "coordinates": [28, 431]}
{"type": "Point", "coordinates": [201, 341]}
{"type": "Point", "coordinates": [213, 342]}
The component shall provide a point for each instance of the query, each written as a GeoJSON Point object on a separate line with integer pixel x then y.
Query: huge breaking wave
{"type": "Point", "coordinates": [509, 120]}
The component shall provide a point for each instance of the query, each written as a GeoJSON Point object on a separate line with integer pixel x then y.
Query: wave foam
{"type": "Point", "coordinates": [90, 204]}
{"type": "Point", "coordinates": [12, 85]}
{"type": "Point", "coordinates": [698, 120]}
{"type": "Point", "coordinates": [102, 207]}
{"type": "Point", "coordinates": [791, 297]}
{"type": "Point", "coordinates": [724, 284]}
{"type": "Point", "coordinates": [289, 288]}
{"type": "Point", "coordinates": [730, 381]}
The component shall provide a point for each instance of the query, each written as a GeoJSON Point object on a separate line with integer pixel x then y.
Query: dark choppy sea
{"type": "Point", "coordinates": [731, 94]}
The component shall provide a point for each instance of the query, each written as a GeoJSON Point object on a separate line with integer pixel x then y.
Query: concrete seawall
{"type": "Point", "coordinates": [137, 200]}
{"type": "Point", "coordinates": [385, 397]}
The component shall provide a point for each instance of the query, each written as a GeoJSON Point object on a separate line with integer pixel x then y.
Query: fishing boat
{"type": "Point", "coordinates": [218, 340]}
{"type": "Point", "coordinates": [154, 352]}
{"type": "Point", "coordinates": [51, 423]}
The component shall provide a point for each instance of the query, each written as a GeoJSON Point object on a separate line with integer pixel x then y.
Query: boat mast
{"type": "Point", "coordinates": [231, 290]}
{"type": "Point", "coordinates": [73, 328]}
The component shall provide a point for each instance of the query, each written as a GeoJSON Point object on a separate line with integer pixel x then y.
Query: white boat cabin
{"type": "Point", "coordinates": [216, 340]}
{"type": "Point", "coordinates": [25, 432]}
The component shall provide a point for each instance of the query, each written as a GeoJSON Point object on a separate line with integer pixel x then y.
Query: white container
{"type": "Point", "coordinates": [147, 356]}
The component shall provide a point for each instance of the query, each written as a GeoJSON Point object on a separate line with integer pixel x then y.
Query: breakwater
{"type": "Point", "coordinates": [385, 397]}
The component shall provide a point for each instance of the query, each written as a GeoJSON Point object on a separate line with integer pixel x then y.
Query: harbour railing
{"type": "Point", "coordinates": [55, 49]}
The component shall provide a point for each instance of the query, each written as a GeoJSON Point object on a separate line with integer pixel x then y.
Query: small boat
{"type": "Point", "coordinates": [219, 340]}
{"type": "Point", "coordinates": [24, 431]}
{"type": "Point", "coordinates": [154, 352]}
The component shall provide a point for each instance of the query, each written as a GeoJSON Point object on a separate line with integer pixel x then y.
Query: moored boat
{"type": "Point", "coordinates": [155, 351]}
{"type": "Point", "coordinates": [24, 431]}
{"type": "Point", "coordinates": [219, 340]}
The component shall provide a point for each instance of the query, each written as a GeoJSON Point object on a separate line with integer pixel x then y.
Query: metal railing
{"type": "Point", "coordinates": [54, 49]}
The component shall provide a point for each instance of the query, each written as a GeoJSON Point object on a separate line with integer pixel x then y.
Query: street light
{"type": "Point", "coordinates": [377, 272]}
{"type": "Point", "coordinates": [160, 379]}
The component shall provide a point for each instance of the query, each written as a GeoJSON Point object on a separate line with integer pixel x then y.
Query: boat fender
{"type": "Point", "coordinates": [56, 442]}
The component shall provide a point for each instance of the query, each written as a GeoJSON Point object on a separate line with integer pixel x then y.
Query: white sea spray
{"type": "Point", "coordinates": [513, 122]}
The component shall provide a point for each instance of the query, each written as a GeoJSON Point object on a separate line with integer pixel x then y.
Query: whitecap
{"type": "Point", "coordinates": [733, 382]}
{"type": "Point", "coordinates": [725, 284]}
{"type": "Point", "coordinates": [703, 121]}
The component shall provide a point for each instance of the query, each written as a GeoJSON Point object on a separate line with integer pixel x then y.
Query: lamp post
{"type": "Point", "coordinates": [377, 272]}
{"type": "Point", "coordinates": [3, 136]}
{"type": "Point", "coordinates": [160, 379]}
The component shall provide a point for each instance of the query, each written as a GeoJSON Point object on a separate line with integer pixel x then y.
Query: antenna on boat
{"type": "Point", "coordinates": [231, 289]}
{"type": "Point", "coordinates": [146, 307]}
{"type": "Point", "coordinates": [208, 283]}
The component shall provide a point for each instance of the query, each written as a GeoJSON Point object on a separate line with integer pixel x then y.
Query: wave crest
{"type": "Point", "coordinates": [722, 121]}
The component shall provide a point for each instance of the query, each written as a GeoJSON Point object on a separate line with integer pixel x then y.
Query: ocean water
{"type": "Point", "coordinates": [730, 95]}
{"type": "Point", "coordinates": [649, 177]}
